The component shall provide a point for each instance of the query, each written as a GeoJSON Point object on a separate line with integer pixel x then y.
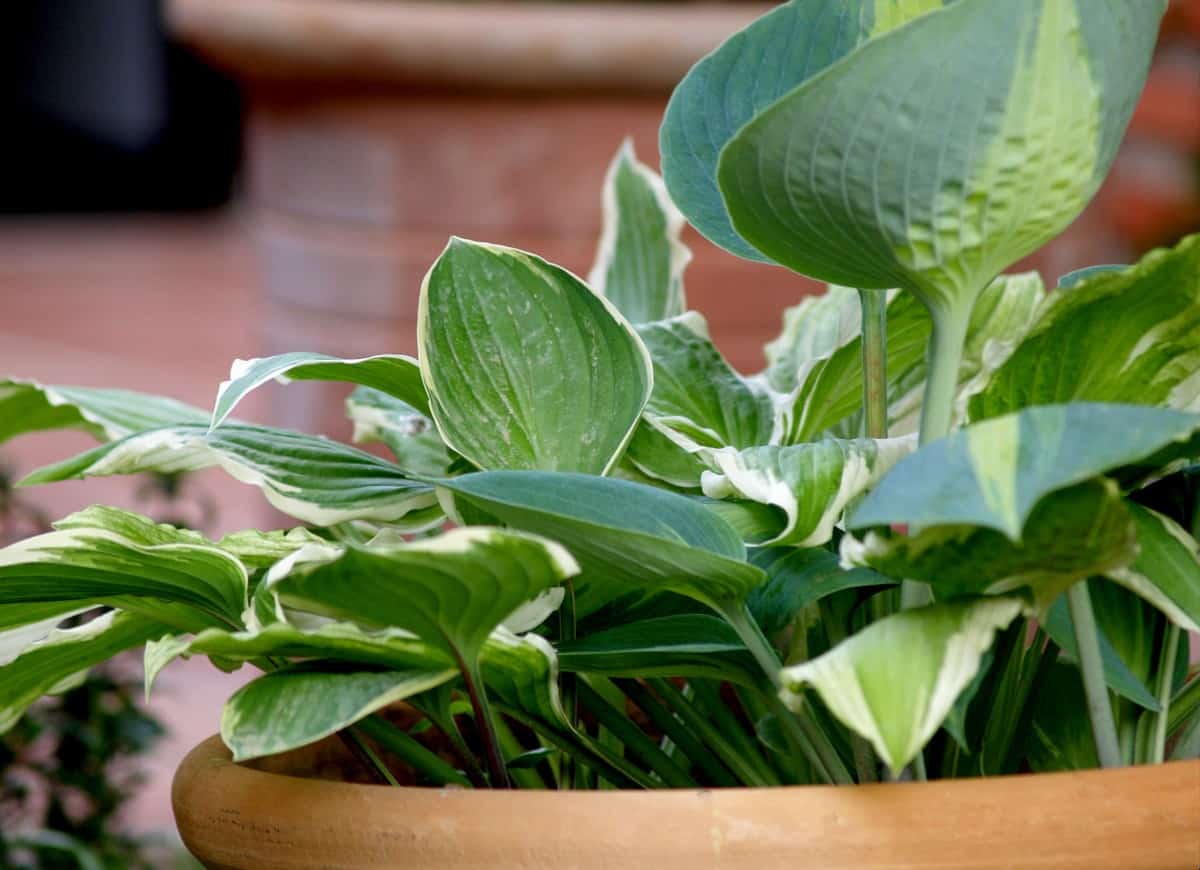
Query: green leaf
{"type": "Point", "coordinates": [685, 645]}
{"type": "Point", "coordinates": [1167, 570]}
{"type": "Point", "coordinates": [811, 484]}
{"type": "Point", "coordinates": [303, 703]}
{"type": "Point", "coordinates": [898, 701]}
{"type": "Point", "coordinates": [106, 554]}
{"type": "Point", "coordinates": [396, 375]}
{"type": "Point", "coordinates": [27, 406]}
{"type": "Point", "coordinates": [626, 536]}
{"type": "Point", "coordinates": [1061, 736]}
{"type": "Point", "coordinates": [308, 477]}
{"type": "Point", "coordinates": [451, 591]}
{"type": "Point", "coordinates": [525, 366]}
{"type": "Point", "coordinates": [1072, 534]}
{"type": "Point", "coordinates": [63, 655]}
{"type": "Point", "coordinates": [653, 457]}
{"type": "Point", "coordinates": [698, 399]}
{"type": "Point", "coordinates": [797, 578]}
{"type": "Point", "coordinates": [258, 551]}
{"type": "Point", "coordinates": [974, 134]}
{"type": "Point", "coordinates": [639, 265]}
{"type": "Point", "coordinates": [992, 474]}
{"type": "Point", "coordinates": [522, 673]}
{"type": "Point", "coordinates": [813, 329]}
{"type": "Point", "coordinates": [744, 76]}
{"type": "Point", "coordinates": [1120, 679]}
{"type": "Point", "coordinates": [1149, 317]}
{"type": "Point", "coordinates": [411, 436]}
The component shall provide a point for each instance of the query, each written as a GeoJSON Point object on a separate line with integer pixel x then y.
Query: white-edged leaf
{"type": "Point", "coordinates": [306, 476]}
{"type": "Point", "coordinates": [394, 374]}
{"type": "Point", "coordinates": [411, 436]}
{"type": "Point", "coordinates": [1166, 571]}
{"type": "Point", "coordinates": [811, 484]}
{"type": "Point", "coordinates": [27, 406]}
{"type": "Point", "coordinates": [526, 367]}
{"type": "Point", "coordinates": [640, 261]}
{"type": "Point", "coordinates": [895, 681]}
{"type": "Point", "coordinates": [303, 703]}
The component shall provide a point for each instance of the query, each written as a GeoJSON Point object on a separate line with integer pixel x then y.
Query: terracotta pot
{"type": "Point", "coordinates": [234, 817]}
{"type": "Point", "coordinates": [376, 130]}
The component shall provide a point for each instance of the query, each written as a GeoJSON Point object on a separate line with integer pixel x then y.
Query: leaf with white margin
{"type": "Point", "coordinates": [526, 367]}
{"type": "Point", "coordinates": [27, 406]}
{"type": "Point", "coordinates": [522, 672]}
{"type": "Point", "coordinates": [303, 703]}
{"type": "Point", "coordinates": [110, 554]}
{"type": "Point", "coordinates": [813, 329]}
{"type": "Point", "coordinates": [411, 436]}
{"type": "Point", "coordinates": [810, 483]}
{"type": "Point", "coordinates": [394, 374]}
{"type": "Point", "coordinates": [1166, 572]}
{"type": "Point", "coordinates": [698, 399]}
{"type": "Point", "coordinates": [895, 681]}
{"type": "Point", "coordinates": [976, 133]}
{"type": "Point", "coordinates": [652, 457]}
{"type": "Point", "coordinates": [993, 473]}
{"type": "Point", "coordinates": [258, 551]}
{"type": "Point", "coordinates": [1149, 317]}
{"type": "Point", "coordinates": [745, 75]}
{"type": "Point", "coordinates": [451, 591]}
{"type": "Point", "coordinates": [60, 658]}
{"type": "Point", "coordinates": [308, 477]}
{"type": "Point", "coordinates": [640, 262]}
{"type": "Point", "coordinates": [35, 626]}
{"type": "Point", "coordinates": [1072, 534]}
{"type": "Point", "coordinates": [338, 641]}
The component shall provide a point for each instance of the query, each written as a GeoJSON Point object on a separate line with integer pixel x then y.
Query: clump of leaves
{"type": "Point", "coordinates": [604, 558]}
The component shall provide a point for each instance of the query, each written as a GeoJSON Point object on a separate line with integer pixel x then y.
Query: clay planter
{"type": "Point", "coordinates": [233, 817]}
{"type": "Point", "coordinates": [376, 130]}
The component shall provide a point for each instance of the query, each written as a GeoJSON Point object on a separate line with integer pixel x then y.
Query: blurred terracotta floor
{"type": "Point", "coordinates": [160, 304]}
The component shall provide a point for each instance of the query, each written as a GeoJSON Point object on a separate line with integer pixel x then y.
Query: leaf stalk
{"type": "Point", "coordinates": [1104, 731]}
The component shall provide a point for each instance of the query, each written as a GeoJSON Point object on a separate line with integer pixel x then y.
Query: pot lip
{"type": "Point", "coordinates": [637, 47]}
{"type": "Point", "coordinates": [213, 758]}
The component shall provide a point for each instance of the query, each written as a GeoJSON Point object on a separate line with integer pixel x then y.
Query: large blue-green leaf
{"type": "Point", "coordinates": [303, 703]}
{"type": "Point", "coordinates": [27, 406]}
{"type": "Point", "coordinates": [525, 366]}
{"type": "Point", "coordinates": [626, 536]}
{"type": "Point", "coordinates": [797, 578]}
{"type": "Point", "coordinates": [943, 151]}
{"type": "Point", "coordinates": [306, 476]}
{"type": "Point", "coordinates": [744, 76]}
{"type": "Point", "coordinates": [992, 474]}
{"type": "Point", "coordinates": [451, 591]}
{"type": "Point", "coordinates": [895, 681]}
{"type": "Point", "coordinates": [640, 262]}
{"type": "Point", "coordinates": [1131, 335]}
{"type": "Point", "coordinates": [809, 484]}
{"type": "Point", "coordinates": [396, 375]}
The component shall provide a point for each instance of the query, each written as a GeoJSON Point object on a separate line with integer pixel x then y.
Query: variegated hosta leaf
{"type": "Point", "coordinates": [107, 554]}
{"type": "Point", "coordinates": [813, 329]}
{"type": "Point", "coordinates": [303, 703]}
{"type": "Point", "coordinates": [337, 641]}
{"type": "Point", "coordinates": [1167, 570]}
{"type": "Point", "coordinates": [895, 681]}
{"type": "Point", "coordinates": [810, 483]}
{"type": "Point", "coordinates": [652, 457]}
{"type": "Point", "coordinates": [525, 366]}
{"type": "Point", "coordinates": [411, 436]}
{"type": "Point", "coordinates": [451, 591]}
{"type": "Point", "coordinates": [522, 673]}
{"type": "Point", "coordinates": [63, 656]}
{"type": "Point", "coordinates": [396, 375]}
{"type": "Point", "coordinates": [744, 76]}
{"type": "Point", "coordinates": [639, 265]}
{"type": "Point", "coordinates": [797, 578]}
{"type": "Point", "coordinates": [976, 133]}
{"type": "Point", "coordinates": [258, 551]}
{"type": "Point", "coordinates": [1148, 319]}
{"type": "Point", "coordinates": [993, 473]}
{"type": "Point", "coordinates": [698, 399]}
{"type": "Point", "coordinates": [1072, 534]}
{"type": "Point", "coordinates": [27, 406]}
{"type": "Point", "coordinates": [27, 624]}
{"type": "Point", "coordinates": [626, 536]}
{"type": "Point", "coordinates": [308, 477]}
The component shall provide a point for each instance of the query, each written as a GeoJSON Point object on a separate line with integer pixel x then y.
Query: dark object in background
{"type": "Point", "coordinates": [102, 112]}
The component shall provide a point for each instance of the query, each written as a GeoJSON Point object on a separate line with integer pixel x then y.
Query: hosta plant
{"type": "Point", "coordinates": [949, 530]}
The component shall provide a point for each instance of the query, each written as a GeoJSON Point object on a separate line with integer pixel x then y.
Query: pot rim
{"type": "Point", "coordinates": [540, 46]}
{"type": "Point", "coordinates": [234, 816]}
